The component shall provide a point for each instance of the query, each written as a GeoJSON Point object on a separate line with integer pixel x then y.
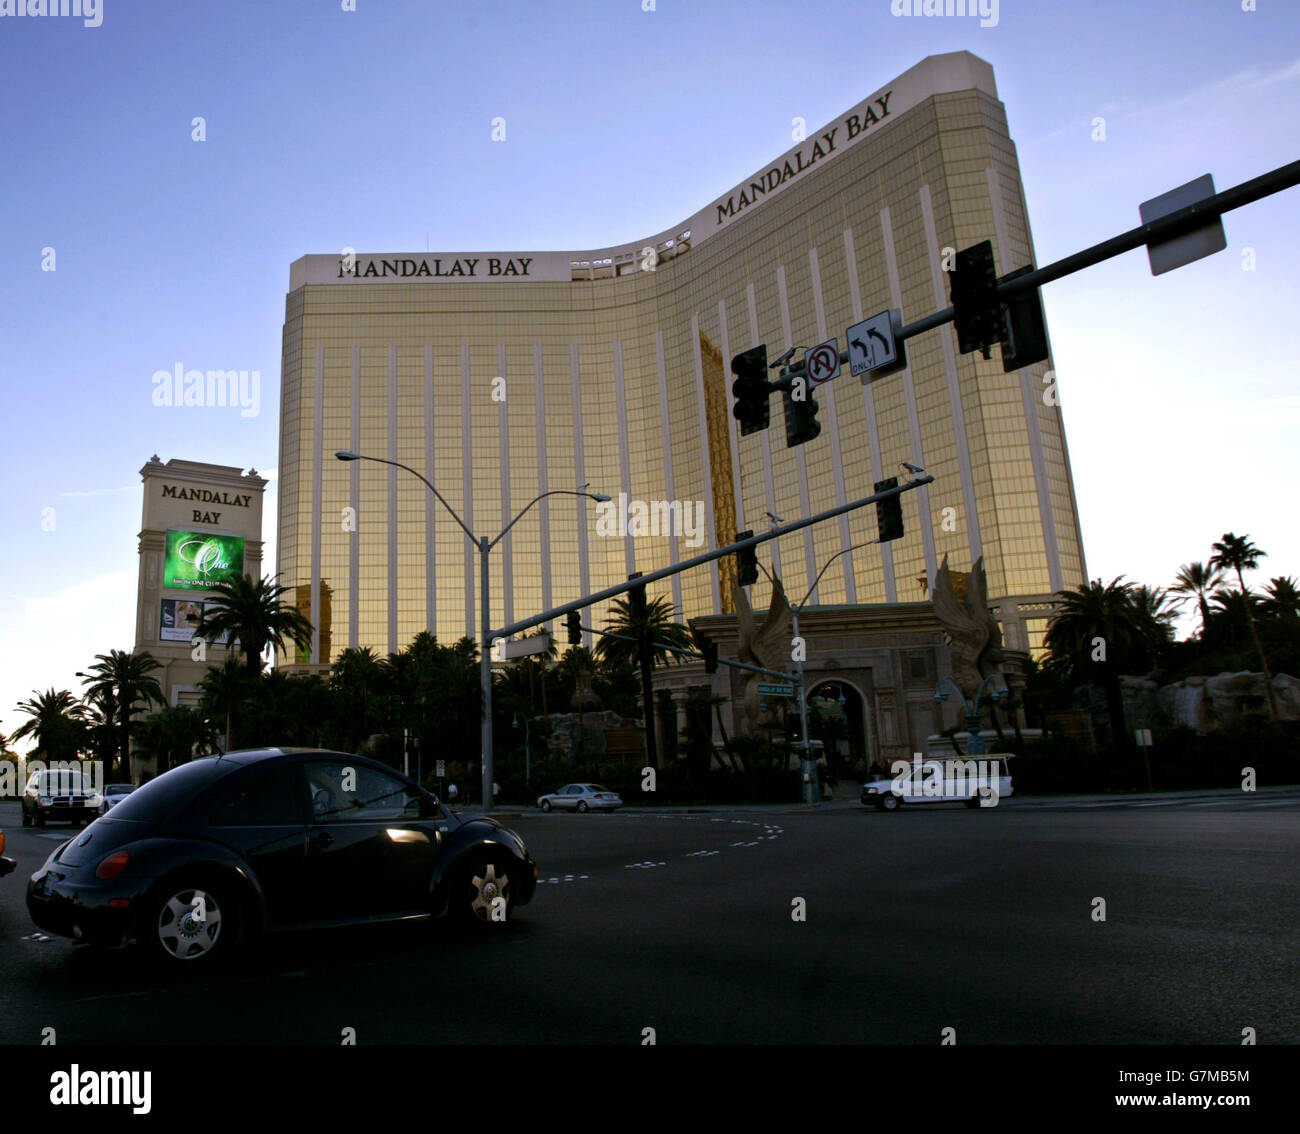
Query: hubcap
{"type": "Point", "coordinates": [489, 889]}
{"type": "Point", "coordinates": [189, 924]}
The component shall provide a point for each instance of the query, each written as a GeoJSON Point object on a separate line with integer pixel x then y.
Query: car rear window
{"type": "Point", "coordinates": [160, 797]}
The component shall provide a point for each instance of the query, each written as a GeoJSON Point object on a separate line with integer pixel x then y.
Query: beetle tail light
{"type": "Point", "coordinates": [113, 865]}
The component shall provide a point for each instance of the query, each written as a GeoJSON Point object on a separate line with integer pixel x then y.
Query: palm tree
{"type": "Point", "coordinates": [357, 678]}
{"type": "Point", "coordinates": [252, 613]}
{"type": "Point", "coordinates": [1199, 580]}
{"type": "Point", "coordinates": [127, 679]}
{"type": "Point", "coordinates": [226, 687]}
{"type": "Point", "coordinates": [57, 723]}
{"type": "Point", "coordinates": [651, 629]}
{"type": "Point", "coordinates": [1156, 614]}
{"type": "Point", "coordinates": [1096, 629]}
{"type": "Point", "coordinates": [170, 737]}
{"type": "Point", "coordinates": [1283, 599]}
{"type": "Point", "coordinates": [1237, 553]}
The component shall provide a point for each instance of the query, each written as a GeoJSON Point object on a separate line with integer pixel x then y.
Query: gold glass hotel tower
{"type": "Point", "coordinates": [503, 375]}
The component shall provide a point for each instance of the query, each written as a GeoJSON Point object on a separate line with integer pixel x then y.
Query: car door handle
{"type": "Point", "coordinates": [322, 839]}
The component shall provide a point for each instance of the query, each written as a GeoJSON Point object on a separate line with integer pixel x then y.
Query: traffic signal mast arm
{"type": "Point", "coordinates": [699, 560]}
{"type": "Point", "coordinates": [1164, 228]}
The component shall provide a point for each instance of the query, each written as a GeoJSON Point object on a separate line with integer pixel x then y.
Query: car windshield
{"type": "Point", "coordinates": [119, 789]}
{"type": "Point", "coordinates": [63, 783]}
{"type": "Point", "coordinates": [160, 797]}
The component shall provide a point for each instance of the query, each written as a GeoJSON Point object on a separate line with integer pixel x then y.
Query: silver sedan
{"type": "Point", "coordinates": [581, 797]}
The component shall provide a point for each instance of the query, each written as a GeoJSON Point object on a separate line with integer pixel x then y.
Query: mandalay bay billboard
{"type": "Point", "coordinates": [197, 560]}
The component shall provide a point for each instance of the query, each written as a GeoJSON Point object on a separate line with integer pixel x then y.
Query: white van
{"type": "Point", "coordinates": [976, 781]}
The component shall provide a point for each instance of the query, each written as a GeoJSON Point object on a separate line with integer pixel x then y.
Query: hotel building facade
{"type": "Point", "coordinates": [504, 375]}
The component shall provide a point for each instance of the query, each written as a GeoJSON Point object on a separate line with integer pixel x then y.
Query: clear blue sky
{"type": "Point", "coordinates": [372, 129]}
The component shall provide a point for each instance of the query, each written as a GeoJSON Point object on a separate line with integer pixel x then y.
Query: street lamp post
{"type": "Point", "coordinates": [484, 546]}
{"type": "Point", "coordinates": [812, 793]}
{"type": "Point", "coordinates": [975, 743]}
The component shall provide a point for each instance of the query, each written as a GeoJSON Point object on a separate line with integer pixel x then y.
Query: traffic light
{"type": "Point", "coordinates": [801, 422]}
{"type": "Point", "coordinates": [889, 512]}
{"type": "Point", "coordinates": [976, 313]}
{"type": "Point", "coordinates": [746, 562]}
{"type": "Point", "coordinates": [1026, 330]}
{"type": "Point", "coordinates": [709, 648]}
{"type": "Point", "coordinates": [751, 390]}
{"type": "Point", "coordinates": [573, 624]}
{"type": "Point", "coordinates": [636, 599]}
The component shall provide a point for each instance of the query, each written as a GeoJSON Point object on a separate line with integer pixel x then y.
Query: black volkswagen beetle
{"type": "Point", "coordinates": [219, 849]}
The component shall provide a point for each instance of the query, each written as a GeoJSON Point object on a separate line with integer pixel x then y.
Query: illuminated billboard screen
{"type": "Point", "coordinates": [179, 621]}
{"type": "Point", "coordinates": [197, 560]}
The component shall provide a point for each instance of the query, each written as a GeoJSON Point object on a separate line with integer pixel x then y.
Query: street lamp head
{"type": "Point", "coordinates": [915, 470]}
{"type": "Point", "coordinates": [775, 518]}
{"type": "Point", "coordinates": [347, 455]}
{"type": "Point", "coordinates": [599, 497]}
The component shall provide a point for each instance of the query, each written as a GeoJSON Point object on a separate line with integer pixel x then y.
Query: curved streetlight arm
{"type": "Point", "coordinates": [384, 461]}
{"type": "Point", "coordinates": [855, 547]}
{"type": "Point", "coordinates": [534, 500]}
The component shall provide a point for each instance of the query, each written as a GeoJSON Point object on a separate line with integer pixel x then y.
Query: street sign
{"type": "Point", "coordinates": [1166, 255]}
{"type": "Point", "coordinates": [776, 690]}
{"type": "Point", "coordinates": [442, 768]}
{"type": "Point", "coordinates": [1143, 736]}
{"type": "Point", "coordinates": [823, 362]}
{"type": "Point", "coordinates": [523, 647]}
{"type": "Point", "coordinates": [874, 351]}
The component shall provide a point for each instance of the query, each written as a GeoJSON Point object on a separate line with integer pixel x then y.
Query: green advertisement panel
{"type": "Point", "coordinates": [196, 560]}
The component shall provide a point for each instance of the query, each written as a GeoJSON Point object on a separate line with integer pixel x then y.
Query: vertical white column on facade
{"type": "Point", "coordinates": [909, 400]}
{"type": "Point", "coordinates": [805, 502]}
{"type": "Point", "coordinates": [579, 468]}
{"type": "Point", "coordinates": [354, 546]}
{"type": "Point", "coordinates": [768, 484]}
{"type": "Point", "coordinates": [869, 408]}
{"type": "Point", "coordinates": [833, 429]}
{"type": "Point", "coordinates": [543, 481]}
{"type": "Point", "coordinates": [670, 486]}
{"type": "Point", "coordinates": [624, 462]}
{"type": "Point", "coordinates": [937, 282]}
{"type": "Point", "coordinates": [430, 562]}
{"type": "Point", "coordinates": [707, 457]}
{"type": "Point", "coordinates": [467, 488]}
{"type": "Point", "coordinates": [1029, 398]}
{"type": "Point", "coordinates": [392, 500]}
{"type": "Point", "coordinates": [317, 503]}
{"type": "Point", "coordinates": [503, 435]}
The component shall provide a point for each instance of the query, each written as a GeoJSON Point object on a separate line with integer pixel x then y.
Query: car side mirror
{"type": "Point", "coordinates": [429, 807]}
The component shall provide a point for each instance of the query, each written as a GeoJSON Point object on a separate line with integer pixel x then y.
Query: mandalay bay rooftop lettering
{"type": "Point", "coordinates": [435, 266]}
{"type": "Point", "coordinates": [823, 146]}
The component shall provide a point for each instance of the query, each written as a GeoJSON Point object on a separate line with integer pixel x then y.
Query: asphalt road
{"type": "Point", "coordinates": [981, 921]}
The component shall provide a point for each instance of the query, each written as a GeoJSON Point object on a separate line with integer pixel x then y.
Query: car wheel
{"type": "Point", "coordinates": [546, 805]}
{"type": "Point", "coordinates": [889, 802]}
{"type": "Point", "coordinates": [483, 895]}
{"type": "Point", "coordinates": [190, 923]}
{"type": "Point", "coordinates": [582, 805]}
